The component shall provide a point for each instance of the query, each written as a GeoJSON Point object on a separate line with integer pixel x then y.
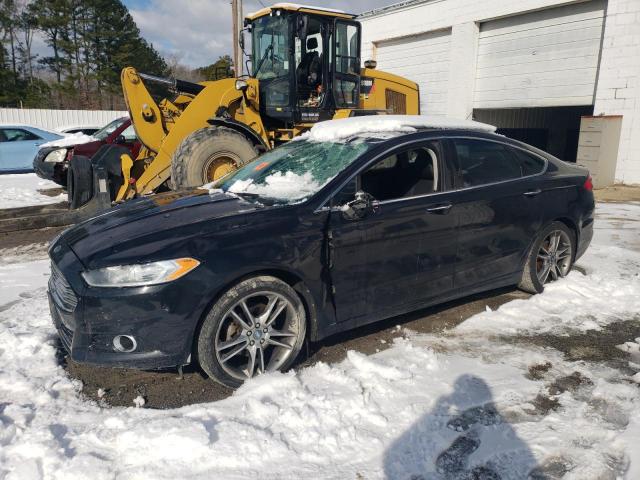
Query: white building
{"type": "Point", "coordinates": [531, 67]}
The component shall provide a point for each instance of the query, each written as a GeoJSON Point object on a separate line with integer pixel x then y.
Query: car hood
{"type": "Point", "coordinates": [143, 220]}
{"type": "Point", "coordinates": [88, 149]}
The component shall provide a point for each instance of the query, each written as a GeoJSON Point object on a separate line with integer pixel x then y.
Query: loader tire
{"type": "Point", "coordinates": [209, 154]}
{"type": "Point", "coordinates": [79, 182]}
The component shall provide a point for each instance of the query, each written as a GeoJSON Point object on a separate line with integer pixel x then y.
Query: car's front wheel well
{"type": "Point", "coordinates": [291, 279]}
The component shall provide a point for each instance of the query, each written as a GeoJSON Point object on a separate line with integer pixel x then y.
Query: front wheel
{"type": "Point", "coordinates": [257, 326]}
{"type": "Point", "coordinates": [551, 257]}
{"type": "Point", "coordinates": [208, 154]}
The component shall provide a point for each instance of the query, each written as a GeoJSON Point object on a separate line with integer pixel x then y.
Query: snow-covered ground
{"type": "Point", "coordinates": [22, 190]}
{"type": "Point", "coordinates": [479, 401]}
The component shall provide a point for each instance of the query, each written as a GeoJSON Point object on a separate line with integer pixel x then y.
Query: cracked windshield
{"type": "Point", "coordinates": [293, 172]}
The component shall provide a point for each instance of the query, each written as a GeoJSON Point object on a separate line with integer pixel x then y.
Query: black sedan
{"type": "Point", "coordinates": [356, 222]}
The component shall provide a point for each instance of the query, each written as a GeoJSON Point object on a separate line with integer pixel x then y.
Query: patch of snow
{"type": "Point", "coordinates": [139, 401]}
{"type": "Point", "coordinates": [430, 406]}
{"type": "Point", "coordinates": [70, 140]}
{"type": "Point", "coordinates": [339, 130]}
{"type": "Point", "coordinates": [288, 185]}
{"type": "Point", "coordinates": [21, 190]}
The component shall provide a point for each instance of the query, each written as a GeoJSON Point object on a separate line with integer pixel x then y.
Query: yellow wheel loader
{"type": "Point", "coordinates": [305, 68]}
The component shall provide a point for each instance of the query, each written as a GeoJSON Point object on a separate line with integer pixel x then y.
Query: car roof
{"type": "Point", "coordinates": [388, 125]}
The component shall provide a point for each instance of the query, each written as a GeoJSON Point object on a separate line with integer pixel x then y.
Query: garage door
{"type": "Point", "coordinates": [540, 59]}
{"type": "Point", "coordinates": [423, 59]}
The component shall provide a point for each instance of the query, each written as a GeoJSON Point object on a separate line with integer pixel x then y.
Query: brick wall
{"type": "Point", "coordinates": [618, 87]}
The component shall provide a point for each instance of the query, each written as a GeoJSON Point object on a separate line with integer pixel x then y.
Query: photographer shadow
{"type": "Point", "coordinates": [463, 437]}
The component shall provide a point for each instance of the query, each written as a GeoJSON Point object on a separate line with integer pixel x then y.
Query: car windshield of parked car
{"type": "Point", "coordinates": [108, 129]}
{"type": "Point", "coordinates": [293, 172]}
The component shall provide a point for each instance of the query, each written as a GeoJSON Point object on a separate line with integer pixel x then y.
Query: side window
{"type": "Point", "coordinates": [19, 135]}
{"type": "Point", "coordinates": [347, 193]}
{"type": "Point", "coordinates": [482, 162]}
{"type": "Point", "coordinates": [346, 44]}
{"type": "Point", "coordinates": [409, 173]}
{"type": "Point", "coordinates": [530, 164]}
{"type": "Point", "coordinates": [3, 137]}
{"type": "Point", "coordinates": [129, 134]}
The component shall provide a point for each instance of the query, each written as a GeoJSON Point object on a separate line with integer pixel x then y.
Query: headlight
{"type": "Point", "coordinates": [56, 156]}
{"type": "Point", "coordinates": [140, 275]}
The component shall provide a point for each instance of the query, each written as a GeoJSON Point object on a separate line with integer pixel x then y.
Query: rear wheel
{"type": "Point", "coordinates": [79, 182]}
{"type": "Point", "coordinates": [551, 257]}
{"type": "Point", "coordinates": [257, 326]}
{"type": "Point", "coordinates": [209, 154]}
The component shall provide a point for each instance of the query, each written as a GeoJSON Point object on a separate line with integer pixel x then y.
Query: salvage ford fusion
{"type": "Point", "coordinates": [358, 220]}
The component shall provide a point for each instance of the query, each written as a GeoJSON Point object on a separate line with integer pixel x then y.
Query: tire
{"type": "Point", "coordinates": [79, 182]}
{"type": "Point", "coordinates": [208, 154]}
{"type": "Point", "coordinates": [226, 345]}
{"type": "Point", "coordinates": [559, 261]}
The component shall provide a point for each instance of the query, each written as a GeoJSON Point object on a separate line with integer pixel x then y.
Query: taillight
{"type": "Point", "coordinates": [588, 184]}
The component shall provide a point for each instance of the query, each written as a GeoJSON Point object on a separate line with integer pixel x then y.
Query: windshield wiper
{"type": "Point", "coordinates": [264, 57]}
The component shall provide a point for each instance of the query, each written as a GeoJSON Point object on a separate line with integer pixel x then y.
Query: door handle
{"type": "Point", "coordinates": [441, 209]}
{"type": "Point", "coordinates": [532, 193]}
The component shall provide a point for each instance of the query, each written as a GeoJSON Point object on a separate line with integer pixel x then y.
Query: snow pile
{"type": "Point", "coordinates": [70, 140]}
{"type": "Point", "coordinates": [338, 130]}
{"type": "Point", "coordinates": [21, 190]}
{"type": "Point", "coordinates": [281, 185]}
{"type": "Point", "coordinates": [432, 406]}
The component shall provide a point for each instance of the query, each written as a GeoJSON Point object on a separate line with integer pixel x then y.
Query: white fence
{"type": "Point", "coordinates": [54, 119]}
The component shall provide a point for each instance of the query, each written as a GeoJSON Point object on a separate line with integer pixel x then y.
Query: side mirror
{"type": "Point", "coordinates": [121, 139]}
{"type": "Point", "coordinates": [241, 39]}
{"type": "Point", "coordinates": [362, 205]}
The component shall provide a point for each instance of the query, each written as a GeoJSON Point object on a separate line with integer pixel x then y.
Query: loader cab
{"type": "Point", "coordinates": [307, 62]}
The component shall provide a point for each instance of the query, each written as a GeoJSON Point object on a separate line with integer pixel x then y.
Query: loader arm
{"type": "Point", "coordinates": [203, 107]}
{"type": "Point", "coordinates": [146, 116]}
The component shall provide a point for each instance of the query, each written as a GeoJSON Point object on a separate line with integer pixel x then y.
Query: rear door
{"type": "Point", "coordinates": [18, 148]}
{"type": "Point", "coordinates": [497, 206]}
{"type": "Point", "coordinates": [401, 254]}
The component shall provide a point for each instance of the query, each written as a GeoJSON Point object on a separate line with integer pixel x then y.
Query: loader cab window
{"type": "Point", "coordinates": [309, 54]}
{"type": "Point", "coordinates": [270, 44]}
{"type": "Point", "coordinates": [346, 71]}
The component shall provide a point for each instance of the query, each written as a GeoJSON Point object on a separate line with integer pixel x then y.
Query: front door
{"type": "Point", "coordinates": [400, 254]}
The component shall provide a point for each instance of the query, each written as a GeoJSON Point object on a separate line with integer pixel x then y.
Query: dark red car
{"type": "Point", "coordinates": [52, 160]}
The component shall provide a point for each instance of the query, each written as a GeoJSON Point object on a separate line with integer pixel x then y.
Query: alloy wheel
{"type": "Point", "coordinates": [257, 335]}
{"type": "Point", "coordinates": [554, 256]}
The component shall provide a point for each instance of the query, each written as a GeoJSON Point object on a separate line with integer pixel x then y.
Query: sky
{"type": "Point", "coordinates": [197, 32]}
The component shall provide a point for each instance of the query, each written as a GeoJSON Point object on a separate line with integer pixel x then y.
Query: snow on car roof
{"type": "Point", "coordinates": [336, 130]}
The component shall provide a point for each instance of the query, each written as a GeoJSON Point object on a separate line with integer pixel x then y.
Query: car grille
{"type": "Point", "coordinates": [66, 336]}
{"type": "Point", "coordinates": [61, 291]}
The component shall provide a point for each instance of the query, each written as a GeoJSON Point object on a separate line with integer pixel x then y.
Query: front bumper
{"type": "Point", "coordinates": [56, 172]}
{"type": "Point", "coordinates": [161, 318]}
